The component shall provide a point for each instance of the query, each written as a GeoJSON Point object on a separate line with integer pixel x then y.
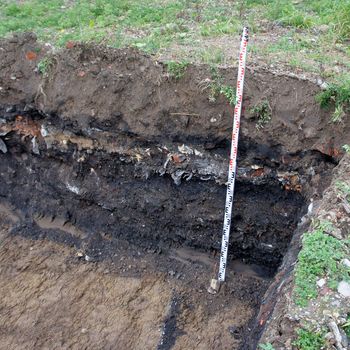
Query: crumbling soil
{"type": "Point", "coordinates": [113, 183]}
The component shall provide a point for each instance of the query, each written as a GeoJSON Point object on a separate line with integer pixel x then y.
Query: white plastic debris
{"type": "Point", "coordinates": [35, 146]}
{"type": "Point", "coordinates": [44, 132]}
{"type": "Point", "coordinates": [73, 188]}
{"type": "Point", "coordinates": [344, 289]}
{"type": "Point", "coordinates": [346, 262]}
{"type": "Point", "coordinates": [185, 149]}
{"type": "Point", "coordinates": [3, 147]}
{"type": "Point", "coordinates": [321, 282]}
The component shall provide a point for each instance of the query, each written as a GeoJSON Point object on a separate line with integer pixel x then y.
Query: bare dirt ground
{"type": "Point", "coordinates": [54, 299]}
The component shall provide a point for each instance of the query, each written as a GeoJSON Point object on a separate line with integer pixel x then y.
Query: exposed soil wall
{"type": "Point", "coordinates": [105, 147]}
{"type": "Point", "coordinates": [128, 93]}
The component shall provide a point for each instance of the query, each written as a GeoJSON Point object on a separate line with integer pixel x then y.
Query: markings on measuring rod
{"type": "Point", "coordinates": [233, 156]}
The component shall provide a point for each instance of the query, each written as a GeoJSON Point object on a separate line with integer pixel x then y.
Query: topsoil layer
{"type": "Point", "coordinates": [125, 92]}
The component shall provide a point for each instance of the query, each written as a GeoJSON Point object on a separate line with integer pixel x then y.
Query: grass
{"type": "Point", "coordinates": [217, 88]}
{"type": "Point", "coordinates": [211, 56]}
{"type": "Point", "coordinates": [262, 112]}
{"type": "Point", "coordinates": [308, 340]}
{"type": "Point", "coordinates": [320, 256]}
{"type": "Point", "coordinates": [175, 69]}
{"type": "Point", "coordinates": [346, 327]}
{"type": "Point", "coordinates": [344, 189]}
{"type": "Point", "coordinates": [45, 65]}
{"type": "Point", "coordinates": [107, 21]}
{"type": "Point", "coordinates": [266, 346]}
{"type": "Point", "coordinates": [287, 14]}
{"type": "Point", "coordinates": [338, 114]}
{"type": "Point", "coordinates": [156, 25]}
{"type": "Point", "coordinates": [338, 96]}
{"type": "Point", "coordinates": [335, 94]}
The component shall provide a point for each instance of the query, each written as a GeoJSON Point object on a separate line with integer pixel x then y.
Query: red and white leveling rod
{"type": "Point", "coordinates": [233, 156]}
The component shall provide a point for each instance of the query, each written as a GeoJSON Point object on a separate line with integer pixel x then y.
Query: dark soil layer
{"type": "Point", "coordinates": [106, 147]}
{"type": "Point", "coordinates": [143, 195]}
{"type": "Point", "coordinates": [154, 213]}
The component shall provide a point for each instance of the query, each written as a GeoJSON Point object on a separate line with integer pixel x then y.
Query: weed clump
{"type": "Point", "coordinates": [262, 112]}
{"type": "Point", "coordinates": [286, 14]}
{"type": "Point", "coordinates": [217, 87]}
{"type": "Point", "coordinates": [266, 346]}
{"type": "Point", "coordinates": [337, 95]}
{"type": "Point", "coordinates": [342, 21]}
{"type": "Point", "coordinates": [346, 326]}
{"type": "Point", "coordinates": [45, 65]}
{"type": "Point", "coordinates": [308, 340]}
{"type": "Point", "coordinates": [334, 94]}
{"type": "Point", "coordinates": [175, 69]}
{"type": "Point", "coordinates": [321, 256]}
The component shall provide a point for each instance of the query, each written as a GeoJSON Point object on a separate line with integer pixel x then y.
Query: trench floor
{"type": "Point", "coordinates": [52, 298]}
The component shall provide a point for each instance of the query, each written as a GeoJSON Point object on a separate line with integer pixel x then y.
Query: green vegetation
{"type": "Point", "coordinates": [312, 13]}
{"type": "Point", "coordinates": [266, 346]}
{"type": "Point", "coordinates": [346, 326]}
{"type": "Point", "coordinates": [287, 14]}
{"type": "Point", "coordinates": [45, 65]}
{"type": "Point", "coordinates": [338, 114]}
{"type": "Point", "coordinates": [217, 88]}
{"type": "Point", "coordinates": [337, 95]}
{"type": "Point", "coordinates": [152, 23]}
{"type": "Point", "coordinates": [212, 56]}
{"type": "Point", "coordinates": [314, 34]}
{"type": "Point", "coordinates": [320, 257]}
{"type": "Point", "coordinates": [229, 92]}
{"type": "Point", "coordinates": [175, 69]}
{"type": "Point", "coordinates": [262, 112]}
{"type": "Point", "coordinates": [344, 189]}
{"type": "Point", "coordinates": [308, 340]}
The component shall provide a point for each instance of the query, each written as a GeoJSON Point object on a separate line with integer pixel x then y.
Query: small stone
{"type": "Point", "coordinates": [288, 344]}
{"type": "Point", "coordinates": [330, 338]}
{"type": "Point", "coordinates": [83, 330]}
{"type": "Point", "coordinates": [344, 289]}
{"type": "Point", "coordinates": [214, 286]}
{"type": "Point", "coordinates": [321, 282]}
{"type": "Point", "coordinates": [346, 262]}
{"type": "Point", "coordinates": [335, 303]}
{"type": "Point", "coordinates": [323, 28]}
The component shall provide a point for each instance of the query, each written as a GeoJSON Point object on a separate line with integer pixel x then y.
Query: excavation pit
{"type": "Point", "coordinates": [125, 167]}
{"type": "Point", "coordinates": [112, 208]}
